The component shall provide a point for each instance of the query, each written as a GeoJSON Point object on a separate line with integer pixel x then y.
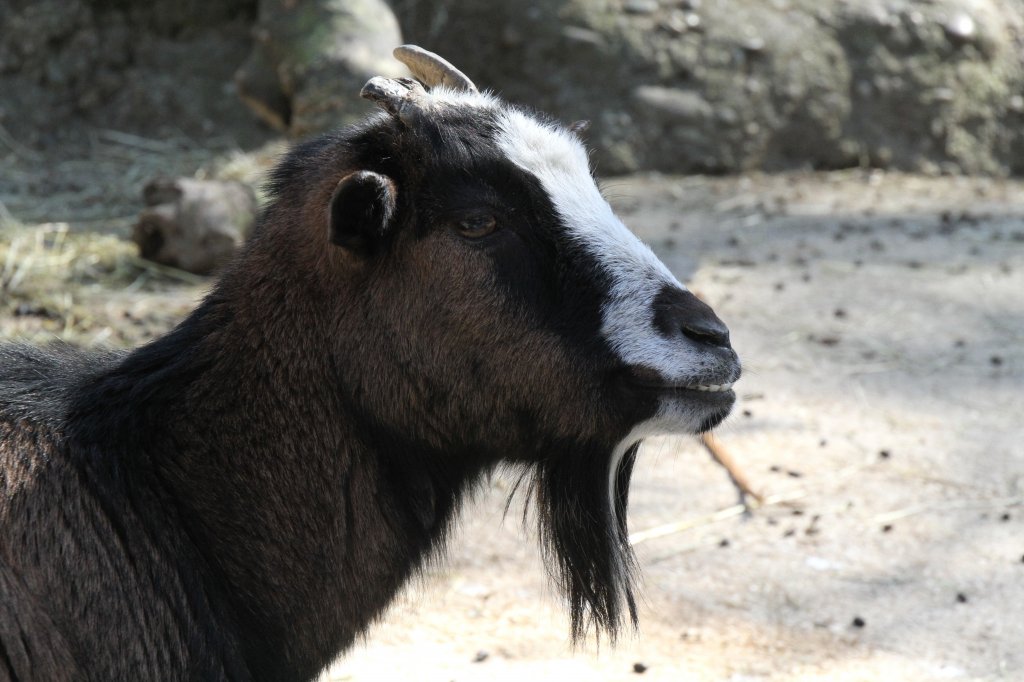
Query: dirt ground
{"type": "Point", "coordinates": [881, 322]}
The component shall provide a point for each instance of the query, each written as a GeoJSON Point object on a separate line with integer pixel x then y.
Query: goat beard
{"type": "Point", "coordinates": [584, 538]}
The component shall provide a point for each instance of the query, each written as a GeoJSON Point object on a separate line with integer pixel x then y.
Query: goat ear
{"type": "Point", "coordinates": [360, 211]}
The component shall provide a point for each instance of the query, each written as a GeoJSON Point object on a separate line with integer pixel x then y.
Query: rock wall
{"type": "Point", "coordinates": [715, 86]}
{"type": "Point", "coordinates": [156, 68]}
{"type": "Point", "coordinates": [733, 85]}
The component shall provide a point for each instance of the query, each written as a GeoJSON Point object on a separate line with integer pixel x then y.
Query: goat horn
{"type": "Point", "coordinates": [431, 69]}
{"type": "Point", "coordinates": [398, 96]}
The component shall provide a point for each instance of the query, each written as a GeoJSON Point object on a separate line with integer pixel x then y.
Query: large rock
{"type": "Point", "coordinates": [675, 85]}
{"type": "Point", "coordinates": [158, 69]}
{"type": "Point", "coordinates": [311, 58]}
{"type": "Point", "coordinates": [731, 85]}
{"type": "Point", "coordinates": [194, 225]}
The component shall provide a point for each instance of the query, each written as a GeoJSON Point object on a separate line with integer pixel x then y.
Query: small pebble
{"type": "Point", "coordinates": [639, 668]}
{"type": "Point", "coordinates": [748, 414]}
{"type": "Point", "coordinates": [858, 622]}
{"type": "Point", "coordinates": [1005, 516]}
{"type": "Point", "coordinates": [887, 528]}
{"type": "Point", "coordinates": [481, 656]}
{"type": "Point", "coordinates": [724, 542]}
{"type": "Point", "coordinates": [32, 310]}
{"type": "Point", "coordinates": [996, 360]}
{"type": "Point", "coordinates": [960, 27]}
{"type": "Point", "coordinates": [641, 6]}
{"type": "Point", "coordinates": [961, 598]}
{"type": "Point", "coordinates": [884, 454]}
{"type": "Point", "coordinates": [754, 44]}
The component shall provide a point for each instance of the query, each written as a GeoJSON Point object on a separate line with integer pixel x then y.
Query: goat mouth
{"type": "Point", "coordinates": [701, 388]}
{"type": "Point", "coordinates": [647, 381]}
{"type": "Point", "coordinates": [703, 396]}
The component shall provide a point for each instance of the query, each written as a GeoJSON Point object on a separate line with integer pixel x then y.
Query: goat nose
{"type": "Point", "coordinates": [709, 330]}
{"type": "Point", "coordinates": [677, 311]}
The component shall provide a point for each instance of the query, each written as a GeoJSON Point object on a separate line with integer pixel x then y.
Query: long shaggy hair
{"type": "Point", "coordinates": [584, 539]}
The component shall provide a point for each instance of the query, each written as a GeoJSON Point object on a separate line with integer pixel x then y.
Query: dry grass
{"type": "Point", "coordinates": [85, 288]}
{"type": "Point", "coordinates": [67, 267]}
{"type": "Point", "coordinates": [97, 184]}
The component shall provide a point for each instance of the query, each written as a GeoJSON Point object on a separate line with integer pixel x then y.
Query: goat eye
{"type": "Point", "coordinates": [477, 226]}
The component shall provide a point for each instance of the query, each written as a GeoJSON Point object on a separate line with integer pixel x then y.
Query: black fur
{"type": "Point", "coordinates": [242, 497]}
{"type": "Point", "coordinates": [594, 569]}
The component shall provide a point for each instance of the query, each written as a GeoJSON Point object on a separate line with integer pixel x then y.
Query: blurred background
{"type": "Point", "coordinates": [840, 179]}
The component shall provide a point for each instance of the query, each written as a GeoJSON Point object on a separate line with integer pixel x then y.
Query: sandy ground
{"type": "Point", "coordinates": [881, 321]}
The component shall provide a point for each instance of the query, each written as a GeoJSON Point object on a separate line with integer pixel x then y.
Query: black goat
{"type": "Point", "coordinates": [431, 294]}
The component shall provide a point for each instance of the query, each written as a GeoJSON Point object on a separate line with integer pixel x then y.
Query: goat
{"type": "Point", "coordinates": [436, 292]}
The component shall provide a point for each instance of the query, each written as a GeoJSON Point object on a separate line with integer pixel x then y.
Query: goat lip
{"type": "Point", "coordinates": [645, 380]}
{"type": "Point", "coordinates": [712, 389]}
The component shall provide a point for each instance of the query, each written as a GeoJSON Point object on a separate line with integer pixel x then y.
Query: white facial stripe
{"type": "Point", "coordinates": [559, 162]}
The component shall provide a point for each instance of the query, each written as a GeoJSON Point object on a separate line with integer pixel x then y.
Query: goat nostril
{"type": "Point", "coordinates": [679, 311]}
{"type": "Point", "coordinates": [707, 330]}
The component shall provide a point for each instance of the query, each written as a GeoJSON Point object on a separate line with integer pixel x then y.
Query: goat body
{"type": "Point", "coordinates": [434, 293]}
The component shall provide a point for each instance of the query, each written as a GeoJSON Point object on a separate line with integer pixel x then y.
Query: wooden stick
{"type": "Point", "coordinates": [946, 505]}
{"type": "Point", "coordinates": [720, 515]}
{"type": "Point", "coordinates": [167, 270]}
{"type": "Point", "coordinates": [18, 148]}
{"type": "Point", "coordinates": [736, 475]}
